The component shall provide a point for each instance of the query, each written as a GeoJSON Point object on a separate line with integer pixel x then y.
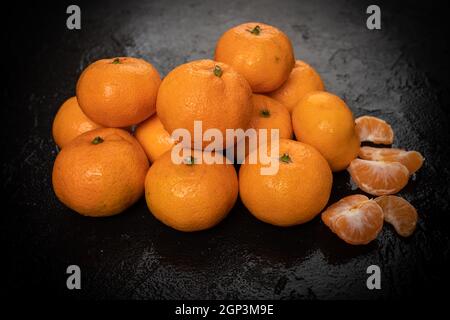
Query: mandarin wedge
{"type": "Point", "coordinates": [378, 177]}
{"type": "Point", "coordinates": [412, 160]}
{"type": "Point", "coordinates": [399, 213]}
{"type": "Point", "coordinates": [373, 129]}
{"type": "Point", "coordinates": [355, 219]}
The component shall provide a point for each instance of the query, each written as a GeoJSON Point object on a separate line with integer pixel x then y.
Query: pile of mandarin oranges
{"type": "Point", "coordinates": [115, 141]}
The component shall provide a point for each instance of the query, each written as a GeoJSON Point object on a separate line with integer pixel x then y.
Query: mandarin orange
{"type": "Point", "coordinates": [193, 195]}
{"type": "Point", "coordinates": [302, 80]}
{"type": "Point", "coordinates": [295, 194]}
{"type": "Point", "coordinates": [118, 92]}
{"type": "Point", "coordinates": [70, 122]}
{"type": "Point", "coordinates": [261, 53]}
{"type": "Point", "coordinates": [100, 173]}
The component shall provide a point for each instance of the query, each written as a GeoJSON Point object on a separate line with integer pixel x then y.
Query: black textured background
{"type": "Point", "coordinates": [399, 73]}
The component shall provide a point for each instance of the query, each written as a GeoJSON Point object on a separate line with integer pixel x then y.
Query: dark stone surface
{"type": "Point", "coordinates": [399, 74]}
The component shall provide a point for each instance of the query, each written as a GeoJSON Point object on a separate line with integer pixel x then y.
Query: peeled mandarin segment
{"type": "Point", "coordinates": [399, 213]}
{"type": "Point", "coordinates": [412, 160]}
{"type": "Point", "coordinates": [374, 130]}
{"type": "Point", "coordinates": [360, 225]}
{"type": "Point", "coordinates": [355, 219]}
{"type": "Point", "coordinates": [378, 177]}
{"type": "Point", "coordinates": [329, 216]}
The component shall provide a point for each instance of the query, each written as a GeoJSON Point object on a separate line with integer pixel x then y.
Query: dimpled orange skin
{"type": "Point", "coordinates": [302, 80]}
{"type": "Point", "coordinates": [265, 59]}
{"type": "Point", "coordinates": [118, 94]}
{"type": "Point", "coordinates": [70, 122]}
{"type": "Point", "coordinates": [295, 194]}
{"type": "Point", "coordinates": [324, 121]}
{"type": "Point", "coordinates": [193, 91]}
{"type": "Point", "coordinates": [190, 197]}
{"type": "Point", "coordinates": [153, 137]}
{"type": "Point", "coordinates": [101, 179]}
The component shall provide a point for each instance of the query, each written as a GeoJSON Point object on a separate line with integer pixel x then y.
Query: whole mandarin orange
{"type": "Point", "coordinates": [153, 137]}
{"type": "Point", "coordinates": [190, 196]}
{"type": "Point", "coordinates": [100, 173]}
{"type": "Point", "coordinates": [207, 91]}
{"type": "Point", "coordinates": [295, 194]}
{"type": "Point", "coordinates": [118, 92]}
{"type": "Point", "coordinates": [267, 114]}
{"type": "Point", "coordinates": [324, 121]}
{"type": "Point", "coordinates": [260, 52]}
{"type": "Point", "coordinates": [270, 114]}
{"type": "Point", "coordinates": [70, 122]}
{"type": "Point", "coordinates": [302, 80]}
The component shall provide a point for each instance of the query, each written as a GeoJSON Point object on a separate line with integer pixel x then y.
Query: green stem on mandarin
{"type": "Point", "coordinates": [285, 158]}
{"type": "Point", "coordinates": [97, 140]}
{"type": "Point", "coordinates": [116, 61]}
{"type": "Point", "coordinates": [256, 30]}
{"type": "Point", "coordinates": [218, 71]}
{"type": "Point", "coordinates": [189, 161]}
{"type": "Point", "coordinates": [265, 113]}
